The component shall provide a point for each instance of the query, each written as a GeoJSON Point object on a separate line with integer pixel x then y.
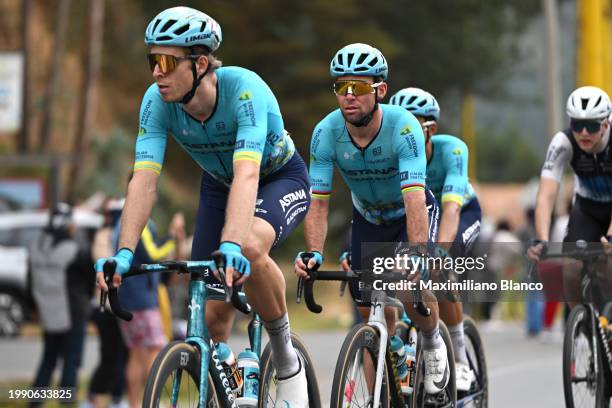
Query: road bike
{"type": "Point", "coordinates": [587, 358]}
{"type": "Point", "coordinates": [176, 378]}
{"type": "Point", "coordinates": [353, 383]}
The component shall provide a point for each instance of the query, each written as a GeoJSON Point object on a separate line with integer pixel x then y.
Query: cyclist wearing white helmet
{"type": "Point", "coordinates": [380, 152]}
{"type": "Point", "coordinates": [254, 188]}
{"type": "Point", "coordinates": [447, 165]}
{"type": "Point", "coordinates": [587, 148]}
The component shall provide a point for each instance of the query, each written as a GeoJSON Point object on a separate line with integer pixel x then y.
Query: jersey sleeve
{"type": "Point", "coordinates": [252, 117]}
{"type": "Point", "coordinates": [409, 143]}
{"type": "Point", "coordinates": [558, 155]}
{"type": "Point", "coordinates": [153, 132]}
{"type": "Point", "coordinates": [456, 165]}
{"type": "Point", "coordinates": [321, 163]}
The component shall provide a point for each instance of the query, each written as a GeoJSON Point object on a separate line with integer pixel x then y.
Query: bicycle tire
{"type": "Point", "coordinates": [175, 356]}
{"type": "Point", "coordinates": [361, 337]}
{"type": "Point", "coordinates": [420, 398]}
{"type": "Point", "coordinates": [579, 323]}
{"type": "Point", "coordinates": [478, 362]}
{"type": "Point", "coordinates": [267, 375]}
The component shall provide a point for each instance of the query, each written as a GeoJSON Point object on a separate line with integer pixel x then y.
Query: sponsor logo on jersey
{"type": "Point", "coordinates": [288, 199]}
{"type": "Point", "coordinates": [220, 125]}
{"type": "Point", "coordinates": [377, 151]}
{"type": "Point", "coordinates": [405, 131]}
{"type": "Point", "coordinates": [370, 172]}
{"type": "Point", "coordinates": [245, 96]}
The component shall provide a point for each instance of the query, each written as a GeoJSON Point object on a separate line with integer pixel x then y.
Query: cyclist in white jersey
{"type": "Point", "coordinates": [587, 148]}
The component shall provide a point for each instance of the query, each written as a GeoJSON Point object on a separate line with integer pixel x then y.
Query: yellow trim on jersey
{"type": "Point", "coordinates": [156, 253]}
{"type": "Point", "coordinates": [320, 196]}
{"type": "Point", "coordinates": [148, 165]}
{"type": "Point", "coordinates": [454, 198]}
{"type": "Point", "coordinates": [251, 156]}
{"type": "Point", "coordinates": [412, 188]}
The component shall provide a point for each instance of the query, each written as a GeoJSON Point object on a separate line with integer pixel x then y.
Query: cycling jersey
{"type": "Point", "coordinates": [246, 124]}
{"type": "Point", "coordinates": [593, 171]}
{"type": "Point", "coordinates": [447, 175]}
{"type": "Point", "coordinates": [377, 174]}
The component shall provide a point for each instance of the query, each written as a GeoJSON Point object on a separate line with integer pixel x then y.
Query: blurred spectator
{"type": "Point", "coordinates": [62, 285]}
{"type": "Point", "coordinates": [109, 375]}
{"type": "Point", "coordinates": [144, 334]}
{"type": "Point", "coordinates": [502, 263]}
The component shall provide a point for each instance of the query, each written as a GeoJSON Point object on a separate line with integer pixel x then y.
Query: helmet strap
{"type": "Point", "coordinates": [196, 82]}
{"type": "Point", "coordinates": [368, 118]}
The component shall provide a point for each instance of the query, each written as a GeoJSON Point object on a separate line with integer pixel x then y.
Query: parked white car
{"type": "Point", "coordinates": [17, 230]}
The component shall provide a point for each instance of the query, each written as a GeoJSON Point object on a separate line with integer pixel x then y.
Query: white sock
{"type": "Point", "coordinates": [284, 357]}
{"type": "Point", "coordinates": [456, 334]}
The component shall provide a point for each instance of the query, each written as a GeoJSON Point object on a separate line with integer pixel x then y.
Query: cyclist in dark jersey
{"type": "Point", "coordinates": [447, 177]}
{"type": "Point", "coordinates": [586, 147]}
{"type": "Point", "coordinates": [254, 186]}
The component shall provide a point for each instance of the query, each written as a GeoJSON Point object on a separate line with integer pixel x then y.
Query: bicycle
{"type": "Point", "coordinates": [587, 358]}
{"type": "Point", "coordinates": [166, 385]}
{"type": "Point", "coordinates": [372, 339]}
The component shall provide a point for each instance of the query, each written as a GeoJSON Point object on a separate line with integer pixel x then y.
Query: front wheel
{"type": "Point", "coordinates": [267, 385]}
{"type": "Point", "coordinates": [583, 374]}
{"type": "Point", "coordinates": [175, 377]}
{"type": "Point", "coordinates": [479, 393]}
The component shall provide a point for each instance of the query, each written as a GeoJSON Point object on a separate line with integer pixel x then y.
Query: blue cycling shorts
{"type": "Point", "coordinates": [283, 199]}
{"type": "Point", "coordinates": [364, 231]}
{"type": "Point", "coordinates": [468, 230]}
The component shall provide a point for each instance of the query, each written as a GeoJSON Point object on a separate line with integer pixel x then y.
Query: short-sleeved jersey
{"type": "Point", "coordinates": [593, 172]}
{"type": "Point", "coordinates": [447, 170]}
{"type": "Point", "coordinates": [394, 162]}
{"type": "Point", "coordinates": [246, 124]}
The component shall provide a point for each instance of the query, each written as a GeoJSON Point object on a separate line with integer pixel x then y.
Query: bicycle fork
{"type": "Point", "coordinates": [377, 320]}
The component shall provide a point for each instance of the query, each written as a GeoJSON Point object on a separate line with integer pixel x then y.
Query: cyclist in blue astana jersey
{"type": "Point", "coordinates": [587, 148]}
{"type": "Point", "coordinates": [379, 151]}
{"type": "Point", "coordinates": [447, 165]}
{"type": "Point", "coordinates": [254, 188]}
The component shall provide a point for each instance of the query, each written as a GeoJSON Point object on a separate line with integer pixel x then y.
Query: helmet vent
{"type": "Point", "coordinates": [374, 62]}
{"type": "Point", "coordinates": [168, 24]}
{"type": "Point", "coordinates": [401, 100]}
{"type": "Point", "coordinates": [181, 30]}
{"type": "Point", "coordinates": [164, 38]}
{"type": "Point", "coordinates": [411, 100]}
{"type": "Point", "coordinates": [585, 102]}
{"type": "Point", "coordinates": [422, 103]}
{"type": "Point", "coordinates": [203, 26]}
{"type": "Point", "coordinates": [361, 58]}
{"type": "Point", "coordinates": [156, 24]}
{"type": "Point", "coordinates": [598, 100]}
{"type": "Point", "coordinates": [350, 59]}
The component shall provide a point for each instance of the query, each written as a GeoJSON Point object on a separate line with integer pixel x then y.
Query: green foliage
{"type": "Point", "coordinates": [506, 156]}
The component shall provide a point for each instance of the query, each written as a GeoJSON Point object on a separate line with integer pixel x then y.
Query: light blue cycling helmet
{"type": "Point", "coordinates": [183, 27]}
{"type": "Point", "coordinates": [417, 101]}
{"type": "Point", "coordinates": [359, 59]}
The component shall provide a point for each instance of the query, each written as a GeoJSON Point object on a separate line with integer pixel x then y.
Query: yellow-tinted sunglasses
{"type": "Point", "coordinates": [357, 88]}
{"type": "Point", "coordinates": [167, 63]}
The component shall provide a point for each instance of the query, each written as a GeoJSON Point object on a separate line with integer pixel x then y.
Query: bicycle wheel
{"type": "Point", "coordinates": [267, 384]}
{"type": "Point", "coordinates": [583, 384]}
{"type": "Point", "coordinates": [479, 393]}
{"type": "Point", "coordinates": [178, 361]}
{"type": "Point", "coordinates": [354, 381]}
{"type": "Point", "coordinates": [446, 398]}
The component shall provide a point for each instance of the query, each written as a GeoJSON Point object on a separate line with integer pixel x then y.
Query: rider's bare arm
{"type": "Point", "coordinates": [449, 223]}
{"type": "Point", "coordinates": [141, 197]}
{"type": "Point", "coordinates": [315, 225]}
{"type": "Point", "coordinates": [241, 202]}
{"type": "Point", "coordinates": [545, 203]}
{"type": "Point", "coordinates": [417, 222]}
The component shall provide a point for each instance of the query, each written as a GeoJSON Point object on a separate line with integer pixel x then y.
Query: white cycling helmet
{"type": "Point", "coordinates": [588, 102]}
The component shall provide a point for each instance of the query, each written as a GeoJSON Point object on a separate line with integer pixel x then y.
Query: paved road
{"type": "Point", "coordinates": [522, 372]}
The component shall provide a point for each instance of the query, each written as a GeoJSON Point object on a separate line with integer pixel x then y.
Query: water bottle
{"type": "Point", "coordinates": [397, 348]}
{"type": "Point", "coordinates": [248, 366]}
{"type": "Point", "coordinates": [228, 362]}
{"type": "Point", "coordinates": [410, 348]}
